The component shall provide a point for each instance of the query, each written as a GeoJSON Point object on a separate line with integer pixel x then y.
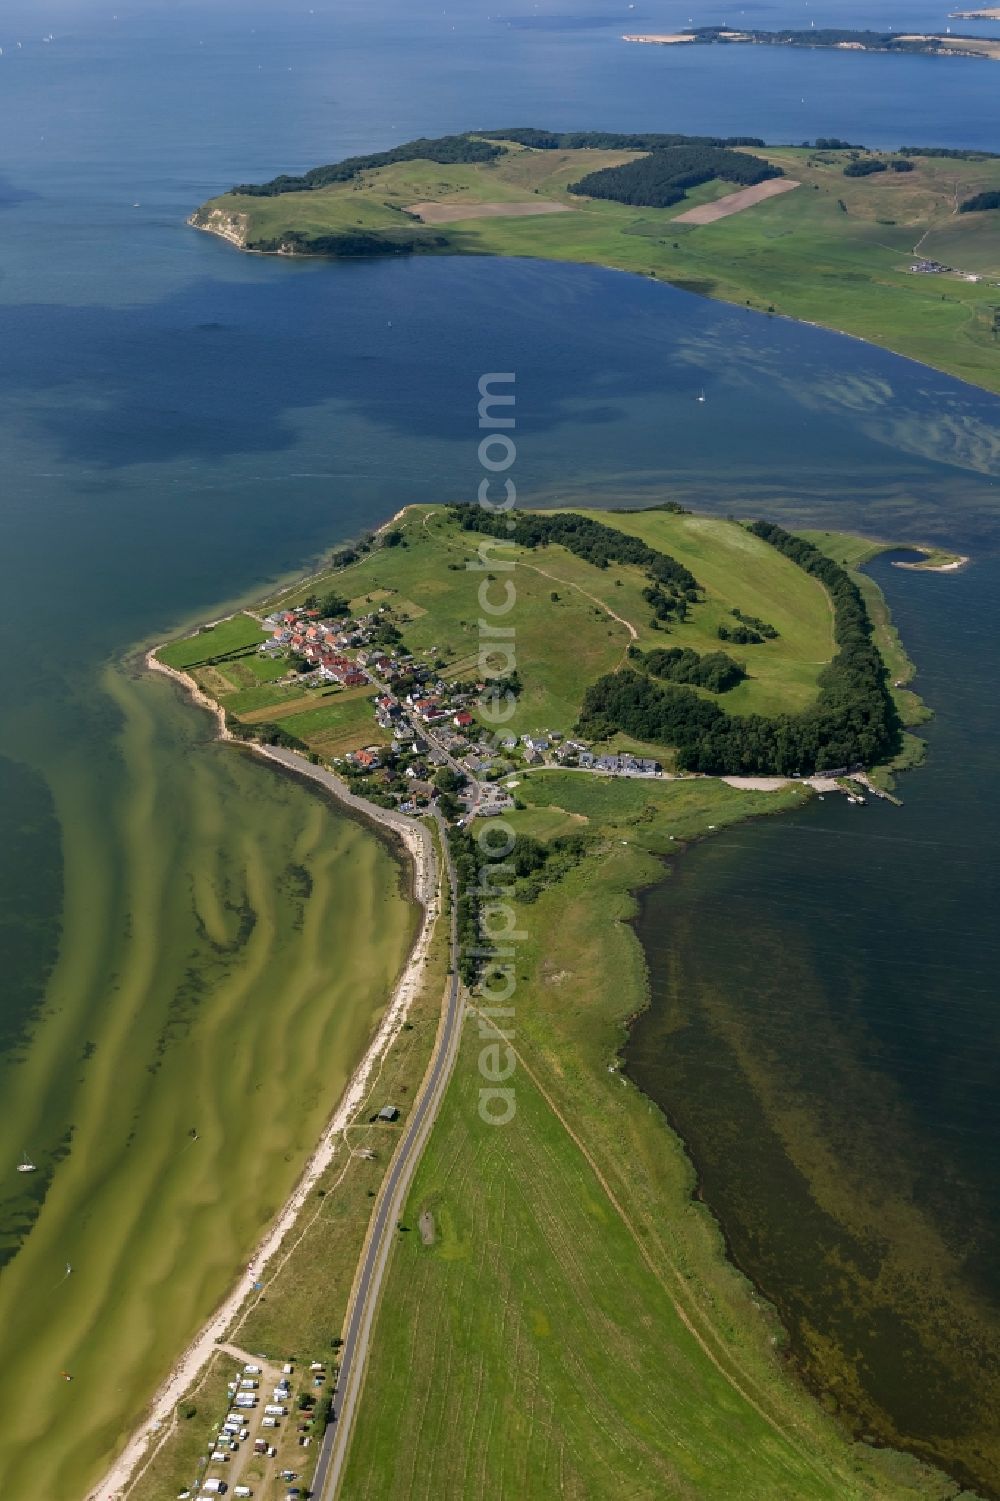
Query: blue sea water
{"type": "Point", "coordinates": [179, 423]}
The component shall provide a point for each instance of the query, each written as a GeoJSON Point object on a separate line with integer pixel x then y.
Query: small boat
{"type": "Point", "coordinates": [26, 1165]}
{"type": "Point", "coordinates": [701, 395]}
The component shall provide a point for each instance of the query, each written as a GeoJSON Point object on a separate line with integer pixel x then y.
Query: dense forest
{"type": "Point", "coordinates": [832, 143]}
{"type": "Point", "coordinates": [979, 203]}
{"type": "Point", "coordinates": [951, 153]}
{"type": "Point", "coordinates": [679, 664]}
{"type": "Point", "coordinates": [662, 177]}
{"type": "Point", "coordinates": [609, 140]}
{"type": "Point", "coordinates": [585, 537]}
{"type": "Point", "coordinates": [866, 167]}
{"type": "Point", "coordinates": [853, 720]}
{"type": "Point", "coordinates": [443, 149]}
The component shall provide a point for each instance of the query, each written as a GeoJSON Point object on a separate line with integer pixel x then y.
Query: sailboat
{"type": "Point", "coordinates": [26, 1165]}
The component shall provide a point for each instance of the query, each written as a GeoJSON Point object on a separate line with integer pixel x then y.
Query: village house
{"type": "Point", "coordinates": [368, 760]}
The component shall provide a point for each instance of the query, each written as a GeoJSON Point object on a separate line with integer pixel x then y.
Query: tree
{"type": "Point", "coordinates": [333, 605]}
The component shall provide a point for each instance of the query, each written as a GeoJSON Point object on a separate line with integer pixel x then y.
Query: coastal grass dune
{"type": "Point", "coordinates": [217, 1002]}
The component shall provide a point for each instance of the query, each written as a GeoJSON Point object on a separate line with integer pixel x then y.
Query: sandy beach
{"type": "Point", "coordinates": [419, 843]}
{"type": "Point", "coordinates": [952, 567]}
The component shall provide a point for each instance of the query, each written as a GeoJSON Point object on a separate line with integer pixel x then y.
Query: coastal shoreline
{"type": "Point", "coordinates": [155, 1429]}
{"type": "Point", "coordinates": [418, 843]}
{"type": "Point", "coordinates": [655, 276]}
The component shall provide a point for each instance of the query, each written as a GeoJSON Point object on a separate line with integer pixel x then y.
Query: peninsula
{"type": "Point", "coordinates": [915, 43]}
{"type": "Point", "coordinates": [899, 248]}
{"type": "Point", "coordinates": [630, 626]}
{"type": "Point", "coordinates": [683, 644]}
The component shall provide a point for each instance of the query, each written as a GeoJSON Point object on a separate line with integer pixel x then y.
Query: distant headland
{"type": "Point", "coordinates": [901, 248]}
{"type": "Point", "coordinates": [922, 43]}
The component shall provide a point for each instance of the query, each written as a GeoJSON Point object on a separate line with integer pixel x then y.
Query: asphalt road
{"type": "Point", "coordinates": [382, 1230]}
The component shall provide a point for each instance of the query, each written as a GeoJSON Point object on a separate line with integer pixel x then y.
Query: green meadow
{"type": "Point", "coordinates": [571, 1326]}
{"type": "Point", "coordinates": [191, 1049]}
{"type": "Point", "coordinates": [572, 619]}
{"type": "Point", "coordinates": [835, 251]}
{"type": "Point", "coordinates": [232, 635]}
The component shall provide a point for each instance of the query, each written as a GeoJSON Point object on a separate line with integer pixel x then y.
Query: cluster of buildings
{"type": "Point", "coordinates": [924, 267]}
{"type": "Point", "coordinates": [624, 765]}
{"type": "Point", "coordinates": [414, 699]}
{"type": "Point", "coordinates": [324, 644]}
{"type": "Point", "coordinates": [552, 749]}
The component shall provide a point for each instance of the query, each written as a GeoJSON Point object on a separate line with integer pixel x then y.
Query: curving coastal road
{"type": "Point", "coordinates": [382, 1230]}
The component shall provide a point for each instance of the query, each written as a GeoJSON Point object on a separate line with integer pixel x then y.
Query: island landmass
{"type": "Point", "coordinates": [900, 248]}
{"type": "Point", "coordinates": [921, 44]}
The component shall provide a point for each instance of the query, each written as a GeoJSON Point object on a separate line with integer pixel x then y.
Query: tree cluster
{"type": "Point", "coordinates": [951, 153]}
{"type": "Point", "coordinates": [332, 606]}
{"type": "Point", "coordinates": [663, 177]}
{"type": "Point", "coordinates": [593, 540]}
{"type": "Point", "coordinates": [351, 244]}
{"type": "Point", "coordinates": [979, 203]}
{"type": "Point", "coordinates": [530, 866]}
{"type": "Point", "coordinates": [853, 720]}
{"type": "Point", "coordinates": [609, 140]}
{"type": "Point", "coordinates": [756, 624]}
{"type": "Point", "coordinates": [866, 167]}
{"type": "Point", "coordinates": [443, 149]}
{"type": "Point", "coordinates": [679, 664]}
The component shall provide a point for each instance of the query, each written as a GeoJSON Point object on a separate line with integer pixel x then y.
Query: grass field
{"type": "Point", "coordinates": [573, 1329]}
{"type": "Point", "coordinates": [835, 251]}
{"type": "Point", "coordinates": [215, 641]}
{"type": "Point", "coordinates": [563, 644]}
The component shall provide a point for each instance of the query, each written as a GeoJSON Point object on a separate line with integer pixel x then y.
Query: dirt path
{"type": "Point", "coordinates": [569, 584]}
